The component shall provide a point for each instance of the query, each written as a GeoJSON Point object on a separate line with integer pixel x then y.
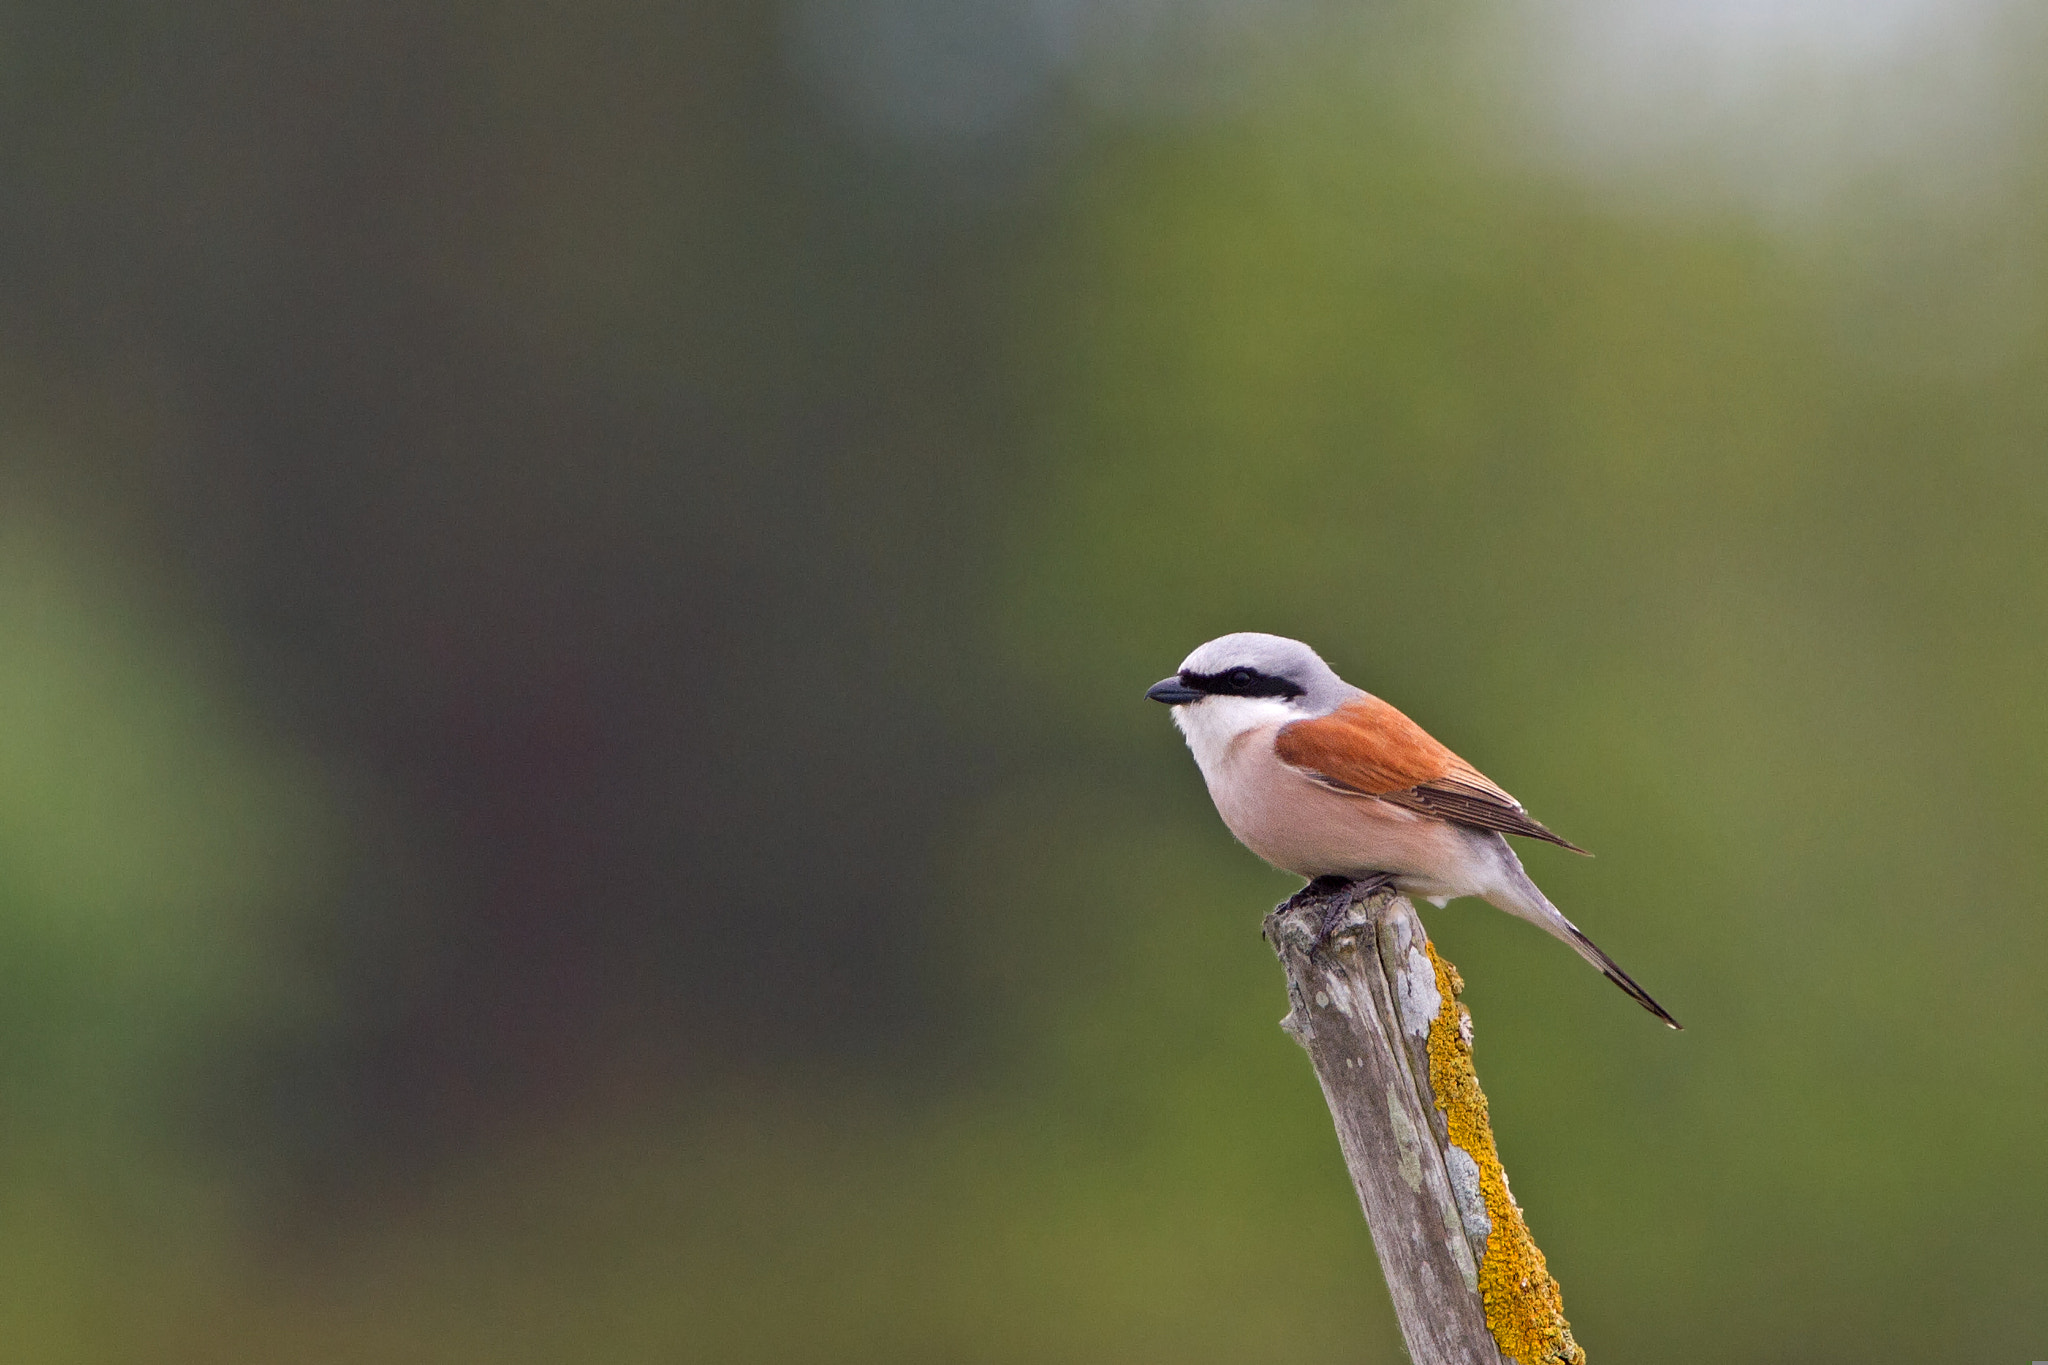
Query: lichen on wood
{"type": "Point", "coordinates": [1524, 1307]}
{"type": "Point", "coordinates": [1378, 1012]}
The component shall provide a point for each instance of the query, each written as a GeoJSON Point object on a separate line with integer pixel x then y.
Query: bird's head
{"type": "Point", "coordinates": [1239, 681]}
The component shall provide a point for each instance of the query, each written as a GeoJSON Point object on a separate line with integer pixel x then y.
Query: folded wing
{"type": "Point", "coordinates": [1367, 748]}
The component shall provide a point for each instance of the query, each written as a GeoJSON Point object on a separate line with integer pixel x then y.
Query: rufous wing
{"type": "Point", "coordinates": [1367, 747]}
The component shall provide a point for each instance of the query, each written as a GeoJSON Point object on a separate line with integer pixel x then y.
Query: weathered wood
{"type": "Point", "coordinates": [1377, 1012]}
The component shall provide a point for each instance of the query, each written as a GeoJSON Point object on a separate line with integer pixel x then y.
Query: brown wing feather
{"type": "Point", "coordinates": [1369, 748]}
{"type": "Point", "coordinates": [1489, 808]}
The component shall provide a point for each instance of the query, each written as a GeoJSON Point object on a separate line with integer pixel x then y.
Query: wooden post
{"type": "Point", "coordinates": [1378, 1012]}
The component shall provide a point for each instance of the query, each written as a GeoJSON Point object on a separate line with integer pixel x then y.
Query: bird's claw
{"type": "Point", "coordinates": [1330, 899]}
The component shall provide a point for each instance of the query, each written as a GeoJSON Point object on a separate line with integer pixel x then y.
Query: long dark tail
{"type": "Point", "coordinates": [1522, 897]}
{"type": "Point", "coordinates": [1611, 969]}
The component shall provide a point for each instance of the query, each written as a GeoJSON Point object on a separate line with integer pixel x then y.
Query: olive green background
{"type": "Point", "coordinates": [575, 592]}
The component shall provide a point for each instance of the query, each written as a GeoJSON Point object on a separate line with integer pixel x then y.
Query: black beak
{"type": "Point", "coordinates": [1173, 692]}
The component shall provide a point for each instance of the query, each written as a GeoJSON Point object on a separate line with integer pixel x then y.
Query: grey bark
{"type": "Point", "coordinates": [1362, 1001]}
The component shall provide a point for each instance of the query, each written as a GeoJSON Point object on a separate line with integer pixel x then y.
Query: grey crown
{"type": "Point", "coordinates": [1278, 657]}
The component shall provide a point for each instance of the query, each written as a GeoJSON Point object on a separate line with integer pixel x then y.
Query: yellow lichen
{"type": "Point", "coordinates": [1524, 1308]}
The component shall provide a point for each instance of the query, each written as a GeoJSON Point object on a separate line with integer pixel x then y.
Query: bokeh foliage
{"type": "Point", "coordinates": [571, 636]}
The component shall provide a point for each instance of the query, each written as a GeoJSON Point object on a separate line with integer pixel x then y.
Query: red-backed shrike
{"type": "Point", "coordinates": [1325, 780]}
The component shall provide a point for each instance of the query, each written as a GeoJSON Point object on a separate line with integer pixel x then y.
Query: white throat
{"type": "Point", "coordinates": [1213, 723]}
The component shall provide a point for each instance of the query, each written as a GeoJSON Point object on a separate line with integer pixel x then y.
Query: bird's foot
{"type": "Point", "coordinates": [1329, 900]}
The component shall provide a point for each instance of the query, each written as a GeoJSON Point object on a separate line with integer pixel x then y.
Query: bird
{"type": "Point", "coordinates": [1327, 781]}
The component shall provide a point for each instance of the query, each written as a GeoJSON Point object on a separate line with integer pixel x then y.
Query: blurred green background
{"type": "Point", "coordinates": [576, 583]}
